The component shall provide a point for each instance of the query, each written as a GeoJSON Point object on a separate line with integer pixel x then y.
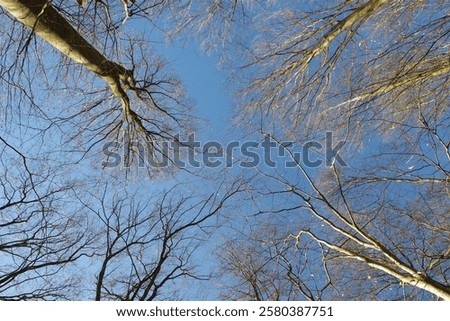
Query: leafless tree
{"type": "Point", "coordinates": [267, 267]}
{"type": "Point", "coordinates": [142, 102]}
{"type": "Point", "coordinates": [376, 74]}
{"type": "Point", "coordinates": [39, 241]}
{"type": "Point", "coordinates": [145, 245]}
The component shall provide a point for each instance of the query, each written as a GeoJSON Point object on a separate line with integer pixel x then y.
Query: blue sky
{"type": "Point", "coordinates": [204, 82]}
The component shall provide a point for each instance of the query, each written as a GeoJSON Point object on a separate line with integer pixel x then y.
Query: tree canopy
{"type": "Point", "coordinates": [350, 98]}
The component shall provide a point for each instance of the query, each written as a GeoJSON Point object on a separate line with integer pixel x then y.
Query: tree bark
{"type": "Point", "coordinates": [45, 21]}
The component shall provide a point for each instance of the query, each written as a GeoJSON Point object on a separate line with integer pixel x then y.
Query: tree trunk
{"type": "Point", "coordinates": [45, 21]}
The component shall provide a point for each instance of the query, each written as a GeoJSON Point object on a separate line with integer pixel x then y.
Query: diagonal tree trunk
{"type": "Point", "coordinates": [45, 21]}
{"type": "Point", "coordinates": [403, 273]}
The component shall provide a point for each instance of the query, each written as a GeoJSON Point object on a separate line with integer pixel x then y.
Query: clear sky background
{"type": "Point", "coordinates": [205, 84]}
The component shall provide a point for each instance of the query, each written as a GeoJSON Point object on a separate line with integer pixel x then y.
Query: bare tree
{"type": "Point", "coordinates": [267, 267]}
{"type": "Point", "coordinates": [144, 246]}
{"type": "Point", "coordinates": [142, 102]}
{"type": "Point", "coordinates": [359, 60]}
{"type": "Point", "coordinates": [377, 236]}
{"type": "Point", "coordinates": [39, 242]}
{"type": "Point", "coordinates": [376, 74]}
